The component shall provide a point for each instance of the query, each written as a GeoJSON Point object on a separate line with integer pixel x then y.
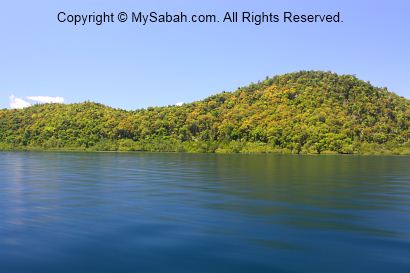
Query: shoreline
{"type": "Point", "coordinates": [278, 152]}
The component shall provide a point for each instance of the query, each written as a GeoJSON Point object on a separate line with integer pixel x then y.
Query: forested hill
{"type": "Point", "coordinates": [304, 112]}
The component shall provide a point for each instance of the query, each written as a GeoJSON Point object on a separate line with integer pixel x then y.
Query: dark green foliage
{"type": "Point", "coordinates": [304, 112]}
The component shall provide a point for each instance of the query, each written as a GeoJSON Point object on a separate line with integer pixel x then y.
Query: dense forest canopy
{"type": "Point", "coordinates": [304, 112]}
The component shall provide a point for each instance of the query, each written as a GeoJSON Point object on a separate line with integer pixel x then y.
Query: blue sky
{"type": "Point", "coordinates": [130, 66]}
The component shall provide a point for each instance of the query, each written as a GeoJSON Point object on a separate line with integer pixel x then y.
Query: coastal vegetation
{"type": "Point", "coordinates": [308, 112]}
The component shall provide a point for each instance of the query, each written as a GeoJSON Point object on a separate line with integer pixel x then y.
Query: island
{"type": "Point", "coordinates": [307, 112]}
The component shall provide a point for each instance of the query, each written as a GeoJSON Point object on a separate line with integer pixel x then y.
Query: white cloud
{"type": "Point", "coordinates": [18, 103]}
{"type": "Point", "coordinates": [179, 103]}
{"type": "Point", "coordinates": [46, 99]}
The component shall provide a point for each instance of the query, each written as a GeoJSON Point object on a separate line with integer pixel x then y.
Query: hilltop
{"type": "Point", "coordinates": [303, 112]}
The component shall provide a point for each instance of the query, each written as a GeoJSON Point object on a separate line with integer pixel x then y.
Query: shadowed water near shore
{"type": "Point", "coordinates": [148, 212]}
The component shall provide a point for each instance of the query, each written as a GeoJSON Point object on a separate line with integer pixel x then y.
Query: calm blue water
{"type": "Point", "coordinates": [141, 212]}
